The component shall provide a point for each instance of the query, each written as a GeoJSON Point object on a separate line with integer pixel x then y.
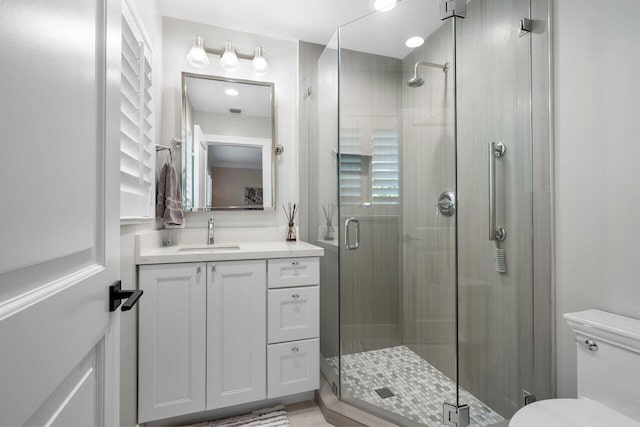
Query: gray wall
{"type": "Point", "coordinates": [230, 183]}
{"type": "Point", "coordinates": [596, 69]}
{"type": "Point", "coordinates": [370, 280]}
{"type": "Point", "coordinates": [494, 104]}
{"type": "Point", "coordinates": [428, 169]}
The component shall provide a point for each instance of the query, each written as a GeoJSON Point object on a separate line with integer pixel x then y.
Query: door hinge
{"type": "Point", "coordinates": [455, 416]}
{"type": "Point", "coordinates": [334, 388]}
{"type": "Point", "coordinates": [528, 398]}
{"type": "Point", "coordinates": [450, 8]}
{"type": "Point", "coordinates": [525, 27]}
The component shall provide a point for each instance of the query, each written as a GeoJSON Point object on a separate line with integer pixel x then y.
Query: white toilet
{"type": "Point", "coordinates": [608, 377]}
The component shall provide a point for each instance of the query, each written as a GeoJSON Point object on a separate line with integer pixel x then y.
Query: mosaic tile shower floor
{"type": "Point", "coordinates": [418, 386]}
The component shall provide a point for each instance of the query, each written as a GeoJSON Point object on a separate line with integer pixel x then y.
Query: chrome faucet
{"type": "Point", "coordinates": [210, 241]}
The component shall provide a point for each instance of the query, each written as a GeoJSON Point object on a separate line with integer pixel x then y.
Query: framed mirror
{"type": "Point", "coordinates": [228, 144]}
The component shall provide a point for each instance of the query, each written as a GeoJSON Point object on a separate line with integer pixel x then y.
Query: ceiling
{"type": "Point", "coordinates": [208, 96]}
{"type": "Point", "coordinates": [383, 33]}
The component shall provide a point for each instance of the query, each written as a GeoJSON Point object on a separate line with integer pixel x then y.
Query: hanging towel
{"type": "Point", "coordinates": [169, 197]}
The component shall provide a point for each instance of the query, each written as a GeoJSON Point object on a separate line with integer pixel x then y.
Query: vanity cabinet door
{"type": "Point", "coordinates": [171, 357]}
{"type": "Point", "coordinates": [237, 332]}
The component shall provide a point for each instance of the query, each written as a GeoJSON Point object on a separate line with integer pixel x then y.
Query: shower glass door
{"type": "Point", "coordinates": [397, 155]}
{"type": "Point", "coordinates": [432, 311]}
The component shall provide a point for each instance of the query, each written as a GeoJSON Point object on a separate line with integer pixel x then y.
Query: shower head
{"type": "Point", "coordinates": [416, 81]}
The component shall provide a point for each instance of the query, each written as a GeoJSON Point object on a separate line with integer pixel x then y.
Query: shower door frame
{"type": "Point", "coordinates": [542, 200]}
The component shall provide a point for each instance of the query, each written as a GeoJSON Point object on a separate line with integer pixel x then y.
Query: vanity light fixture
{"type": "Point", "coordinates": [384, 5]}
{"type": "Point", "coordinates": [259, 64]}
{"type": "Point", "coordinates": [231, 92]}
{"type": "Point", "coordinates": [197, 55]}
{"type": "Point", "coordinates": [415, 41]}
{"type": "Point", "coordinates": [229, 58]}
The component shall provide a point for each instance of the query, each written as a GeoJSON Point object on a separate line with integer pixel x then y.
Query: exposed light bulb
{"type": "Point", "coordinates": [197, 55]}
{"type": "Point", "coordinates": [259, 63]}
{"type": "Point", "coordinates": [229, 59]}
{"type": "Point", "coordinates": [384, 5]}
{"type": "Point", "coordinates": [414, 41]}
{"type": "Point", "coordinates": [231, 92]}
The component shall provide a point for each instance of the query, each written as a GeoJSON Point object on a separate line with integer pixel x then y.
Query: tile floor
{"type": "Point", "coordinates": [306, 414]}
{"type": "Point", "coordinates": [419, 387]}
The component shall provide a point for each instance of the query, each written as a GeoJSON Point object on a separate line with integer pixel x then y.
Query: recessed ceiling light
{"type": "Point", "coordinates": [384, 5]}
{"type": "Point", "coordinates": [231, 92]}
{"type": "Point", "coordinates": [414, 41]}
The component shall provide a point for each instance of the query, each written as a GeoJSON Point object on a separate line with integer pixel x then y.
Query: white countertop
{"type": "Point", "coordinates": [247, 250]}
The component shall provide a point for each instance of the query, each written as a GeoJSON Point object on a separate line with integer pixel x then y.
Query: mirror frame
{"type": "Point", "coordinates": [271, 85]}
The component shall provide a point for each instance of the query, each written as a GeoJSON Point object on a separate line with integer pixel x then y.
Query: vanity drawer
{"type": "Point", "coordinates": [294, 314]}
{"type": "Point", "coordinates": [293, 367]}
{"type": "Point", "coordinates": [289, 272]}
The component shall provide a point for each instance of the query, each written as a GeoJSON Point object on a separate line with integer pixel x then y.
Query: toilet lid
{"type": "Point", "coordinates": [570, 413]}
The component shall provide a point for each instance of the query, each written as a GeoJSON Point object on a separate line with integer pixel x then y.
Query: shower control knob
{"type": "Point", "coordinates": [446, 204]}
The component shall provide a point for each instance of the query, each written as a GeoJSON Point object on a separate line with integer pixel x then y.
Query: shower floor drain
{"type": "Point", "coordinates": [384, 392]}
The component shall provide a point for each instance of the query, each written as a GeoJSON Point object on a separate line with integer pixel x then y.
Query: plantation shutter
{"type": "Point", "coordinates": [137, 173]}
{"type": "Point", "coordinates": [385, 174]}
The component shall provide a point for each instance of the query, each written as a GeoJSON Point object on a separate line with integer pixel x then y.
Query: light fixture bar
{"type": "Point", "coordinates": [220, 52]}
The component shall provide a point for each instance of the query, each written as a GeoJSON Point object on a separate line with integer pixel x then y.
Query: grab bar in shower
{"type": "Point", "coordinates": [496, 151]}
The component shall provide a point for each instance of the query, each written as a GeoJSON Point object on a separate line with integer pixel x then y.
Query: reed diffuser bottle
{"type": "Point", "coordinates": [290, 213]}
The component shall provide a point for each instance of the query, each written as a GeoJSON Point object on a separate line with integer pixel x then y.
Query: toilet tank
{"type": "Point", "coordinates": [608, 359]}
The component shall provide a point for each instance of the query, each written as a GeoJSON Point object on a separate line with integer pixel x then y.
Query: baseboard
{"type": "Point", "coordinates": [341, 414]}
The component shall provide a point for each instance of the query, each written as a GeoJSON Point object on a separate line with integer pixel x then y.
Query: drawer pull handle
{"type": "Point", "coordinates": [199, 270]}
{"type": "Point", "coordinates": [295, 263]}
{"type": "Point", "coordinates": [295, 296]}
{"type": "Point", "coordinates": [213, 268]}
{"type": "Point", "coordinates": [295, 349]}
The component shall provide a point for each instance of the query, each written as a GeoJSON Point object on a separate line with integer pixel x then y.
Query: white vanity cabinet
{"type": "Point", "coordinates": [172, 340]}
{"type": "Point", "coordinates": [293, 353]}
{"type": "Point", "coordinates": [236, 333]}
{"type": "Point", "coordinates": [216, 334]}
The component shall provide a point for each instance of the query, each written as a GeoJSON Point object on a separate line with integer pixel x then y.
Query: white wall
{"type": "Point", "coordinates": [152, 21]}
{"type": "Point", "coordinates": [597, 162]}
{"type": "Point", "coordinates": [283, 61]}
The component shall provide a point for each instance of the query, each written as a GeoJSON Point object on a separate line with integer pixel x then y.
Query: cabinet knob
{"type": "Point", "coordinates": [295, 350]}
{"type": "Point", "coordinates": [295, 263]}
{"type": "Point", "coordinates": [213, 268]}
{"type": "Point", "coordinates": [199, 269]}
{"type": "Point", "coordinates": [295, 296]}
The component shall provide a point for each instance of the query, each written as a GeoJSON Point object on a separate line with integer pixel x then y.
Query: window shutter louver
{"type": "Point", "coordinates": [385, 170]}
{"type": "Point", "coordinates": [136, 121]}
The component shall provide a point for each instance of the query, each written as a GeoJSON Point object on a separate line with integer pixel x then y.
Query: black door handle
{"type": "Point", "coordinates": [116, 294]}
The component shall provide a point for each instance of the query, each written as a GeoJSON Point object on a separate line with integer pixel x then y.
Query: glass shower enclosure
{"type": "Point", "coordinates": [420, 191]}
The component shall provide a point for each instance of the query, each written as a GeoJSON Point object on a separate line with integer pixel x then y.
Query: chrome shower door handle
{"type": "Point", "coordinates": [347, 223]}
{"type": "Point", "coordinates": [496, 151]}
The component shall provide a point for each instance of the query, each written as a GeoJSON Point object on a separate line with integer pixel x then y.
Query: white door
{"type": "Point", "coordinates": [59, 220]}
{"type": "Point", "coordinates": [172, 325]}
{"type": "Point", "coordinates": [236, 332]}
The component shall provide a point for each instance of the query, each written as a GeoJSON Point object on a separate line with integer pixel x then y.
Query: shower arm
{"type": "Point", "coordinates": [444, 67]}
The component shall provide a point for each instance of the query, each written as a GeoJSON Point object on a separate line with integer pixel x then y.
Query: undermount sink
{"type": "Point", "coordinates": [216, 247]}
